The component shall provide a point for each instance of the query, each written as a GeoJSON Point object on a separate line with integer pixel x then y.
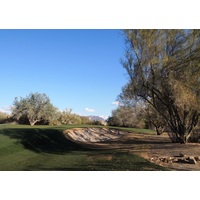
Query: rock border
{"type": "Point", "coordinates": [176, 159]}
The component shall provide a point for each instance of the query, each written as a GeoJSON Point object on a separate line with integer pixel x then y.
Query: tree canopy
{"type": "Point", "coordinates": [127, 116]}
{"type": "Point", "coordinates": [35, 107]}
{"type": "Point", "coordinates": [164, 71]}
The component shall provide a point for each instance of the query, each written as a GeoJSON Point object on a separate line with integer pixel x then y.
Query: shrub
{"type": "Point", "coordinates": [4, 118]}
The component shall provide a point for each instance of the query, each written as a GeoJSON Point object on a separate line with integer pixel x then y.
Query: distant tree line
{"type": "Point", "coordinates": [37, 109]}
{"type": "Point", "coordinates": [127, 116]}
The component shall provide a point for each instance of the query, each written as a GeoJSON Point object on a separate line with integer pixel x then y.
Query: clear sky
{"type": "Point", "coordinates": [77, 69]}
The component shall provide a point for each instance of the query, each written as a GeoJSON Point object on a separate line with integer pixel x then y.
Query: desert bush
{"type": "Point", "coordinates": [97, 122]}
{"type": "Point", "coordinates": [55, 122]}
{"type": "Point", "coordinates": [127, 116]}
{"type": "Point", "coordinates": [67, 117]}
{"type": "Point", "coordinates": [85, 120]}
{"type": "Point", "coordinates": [4, 118]}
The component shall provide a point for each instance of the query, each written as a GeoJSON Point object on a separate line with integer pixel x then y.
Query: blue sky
{"type": "Point", "coordinates": [77, 69]}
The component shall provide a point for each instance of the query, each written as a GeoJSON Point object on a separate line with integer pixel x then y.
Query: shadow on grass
{"type": "Point", "coordinates": [120, 161]}
{"type": "Point", "coordinates": [43, 140]}
{"type": "Point", "coordinates": [53, 141]}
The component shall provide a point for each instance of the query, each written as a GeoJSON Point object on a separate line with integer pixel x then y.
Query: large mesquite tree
{"type": "Point", "coordinates": [164, 71]}
{"type": "Point", "coordinates": [35, 107]}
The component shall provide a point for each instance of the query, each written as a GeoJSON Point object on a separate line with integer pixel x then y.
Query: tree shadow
{"type": "Point", "coordinates": [136, 141]}
{"type": "Point", "coordinates": [43, 140]}
{"type": "Point", "coordinates": [144, 142]}
{"type": "Point", "coordinates": [120, 161]}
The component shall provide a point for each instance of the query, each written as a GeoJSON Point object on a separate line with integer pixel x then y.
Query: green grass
{"type": "Point", "coordinates": [40, 148]}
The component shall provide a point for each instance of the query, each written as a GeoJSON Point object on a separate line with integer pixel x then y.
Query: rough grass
{"type": "Point", "coordinates": [41, 148]}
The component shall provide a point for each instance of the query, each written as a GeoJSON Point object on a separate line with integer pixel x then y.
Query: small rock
{"type": "Point", "coordinates": [197, 158]}
{"type": "Point", "coordinates": [151, 159]}
{"type": "Point", "coordinates": [174, 160]}
{"type": "Point", "coordinates": [180, 160]}
{"type": "Point", "coordinates": [165, 160]}
{"type": "Point", "coordinates": [157, 161]}
{"type": "Point", "coordinates": [192, 160]}
{"type": "Point", "coordinates": [182, 155]}
{"type": "Point", "coordinates": [170, 158]}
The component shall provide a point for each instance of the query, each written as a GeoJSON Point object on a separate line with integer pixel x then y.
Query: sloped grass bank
{"type": "Point", "coordinates": [42, 148]}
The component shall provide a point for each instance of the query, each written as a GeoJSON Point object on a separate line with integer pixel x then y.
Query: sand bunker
{"type": "Point", "coordinates": [92, 135]}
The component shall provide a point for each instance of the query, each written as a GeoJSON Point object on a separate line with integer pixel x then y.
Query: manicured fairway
{"type": "Point", "coordinates": [45, 148]}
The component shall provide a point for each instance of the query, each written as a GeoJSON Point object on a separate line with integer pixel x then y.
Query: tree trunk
{"type": "Point", "coordinates": [184, 138]}
{"type": "Point", "coordinates": [33, 122]}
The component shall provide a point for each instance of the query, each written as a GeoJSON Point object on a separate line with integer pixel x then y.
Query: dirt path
{"type": "Point", "coordinates": [150, 147]}
{"type": "Point", "coordinates": [154, 147]}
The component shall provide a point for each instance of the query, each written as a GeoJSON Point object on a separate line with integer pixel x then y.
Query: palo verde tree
{"type": "Point", "coordinates": [164, 71]}
{"type": "Point", "coordinates": [35, 107]}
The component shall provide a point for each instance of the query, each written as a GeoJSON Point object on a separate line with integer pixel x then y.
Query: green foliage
{"type": "Point", "coordinates": [67, 117]}
{"type": "Point", "coordinates": [4, 117]}
{"type": "Point", "coordinates": [97, 122]}
{"type": "Point", "coordinates": [35, 108]}
{"type": "Point", "coordinates": [164, 71]}
{"type": "Point", "coordinates": [127, 116]}
{"type": "Point", "coordinates": [85, 120]}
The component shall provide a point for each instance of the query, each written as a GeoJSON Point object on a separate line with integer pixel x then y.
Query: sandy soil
{"type": "Point", "coordinates": [145, 145]}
